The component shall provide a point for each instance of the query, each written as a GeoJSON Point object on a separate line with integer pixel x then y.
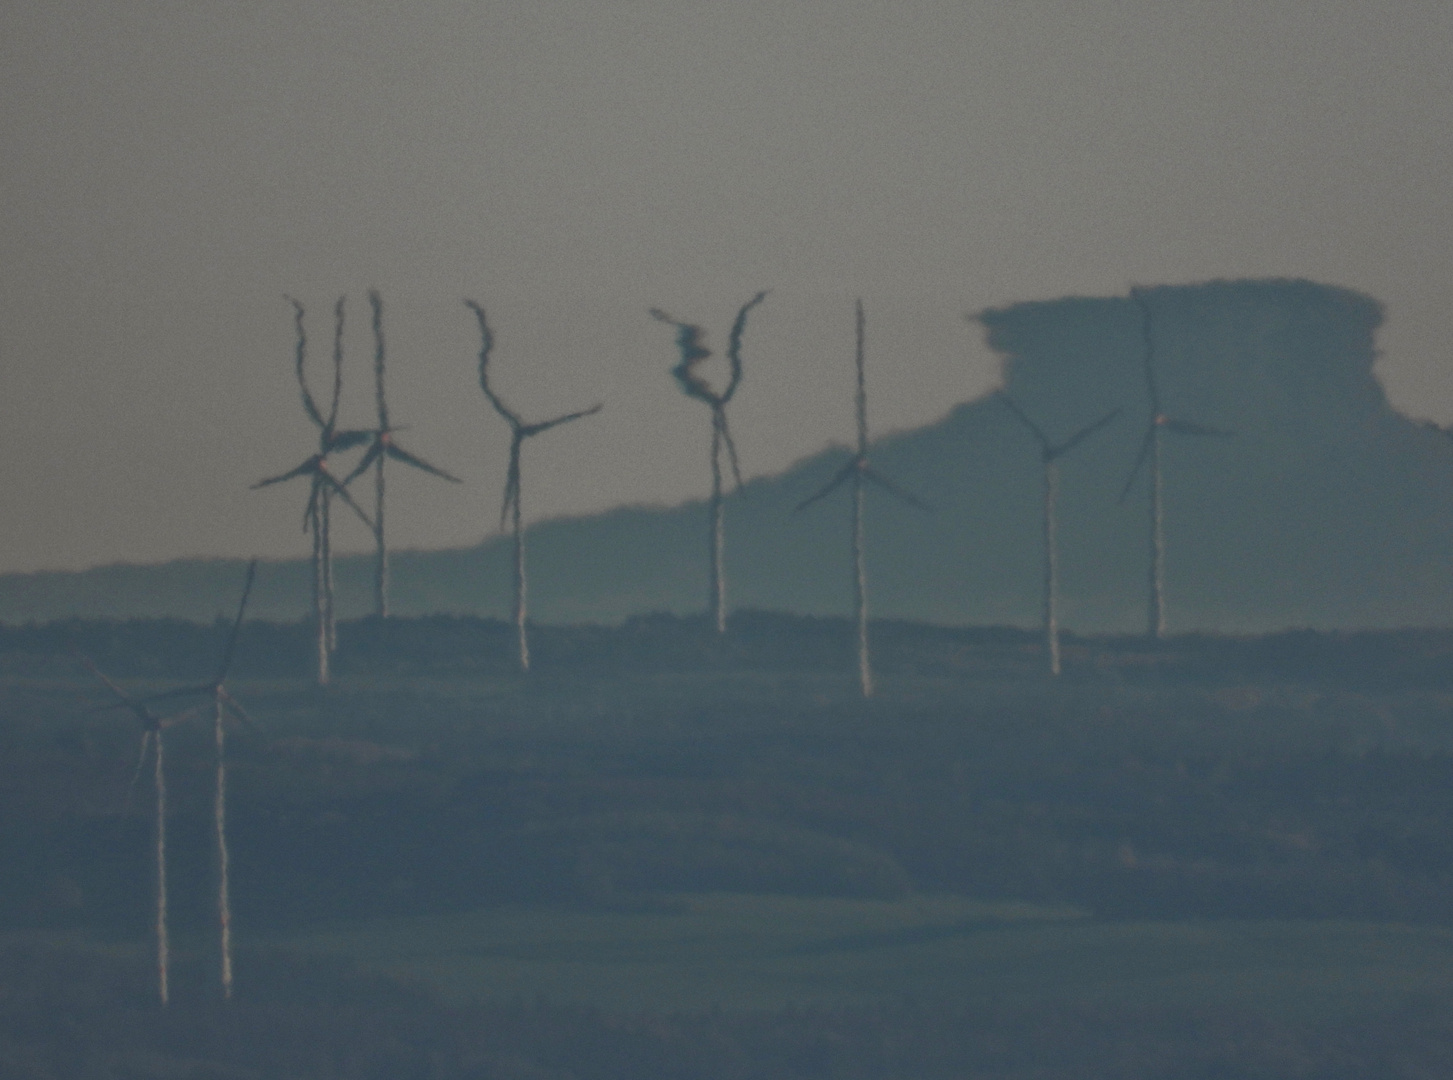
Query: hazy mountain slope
{"type": "Point", "coordinates": [1326, 508]}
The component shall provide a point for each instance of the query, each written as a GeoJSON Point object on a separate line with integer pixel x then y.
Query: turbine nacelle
{"type": "Point", "coordinates": [215, 687]}
{"type": "Point", "coordinates": [1051, 451]}
{"type": "Point", "coordinates": [330, 439]}
{"type": "Point", "coordinates": [148, 721]}
{"type": "Point", "coordinates": [857, 467]}
{"type": "Point", "coordinates": [323, 482]}
{"type": "Point", "coordinates": [382, 445]}
{"type": "Point", "coordinates": [1149, 451]}
{"type": "Point", "coordinates": [858, 470]}
{"type": "Point", "coordinates": [520, 429]}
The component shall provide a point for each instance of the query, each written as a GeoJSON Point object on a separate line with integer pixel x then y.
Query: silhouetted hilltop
{"type": "Point", "coordinates": [1327, 508]}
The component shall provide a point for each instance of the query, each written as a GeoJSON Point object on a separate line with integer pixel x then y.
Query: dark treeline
{"type": "Point", "coordinates": [660, 643]}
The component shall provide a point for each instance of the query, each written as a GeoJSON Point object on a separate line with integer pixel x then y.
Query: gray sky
{"type": "Point", "coordinates": [171, 169]}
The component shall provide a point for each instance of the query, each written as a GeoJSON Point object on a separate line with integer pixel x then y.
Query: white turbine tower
{"type": "Point", "coordinates": [382, 446]}
{"type": "Point", "coordinates": [860, 473]}
{"type": "Point", "coordinates": [323, 485]}
{"type": "Point", "coordinates": [510, 508]}
{"type": "Point", "coordinates": [1050, 453]}
{"type": "Point", "coordinates": [152, 729]}
{"type": "Point", "coordinates": [223, 703]}
{"type": "Point", "coordinates": [688, 341]}
{"type": "Point", "coordinates": [1150, 450]}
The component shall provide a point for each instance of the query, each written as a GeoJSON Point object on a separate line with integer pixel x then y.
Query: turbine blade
{"type": "Point", "coordinates": [1003, 396]}
{"type": "Point", "coordinates": [894, 490]}
{"type": "Point", "coordinates": [337, 367]}
{"type": "Point", "coordinates": [693, 352]}
{"type": "Point", "coordinates": [1147, 334]}
{"type": "Point", "coordinates": [719, 419]}
{"type": "Point", "coordinates": [375, 301]}
{"type": "Point", "coordinates": [368, 459]}
{"type": "Point", "coordinates": [693, 386]}
{"type": "Point", "coordinates": [310, 511]}
{"type": "Point", "coordinates": [512, 482]}
{"type": "Point", "coordinates": [123, 699]}
{"type": "Point", "coordinates": [688, 338]}
{"type": "Point", "coordinates": [861, 401]}
{"type": "Point", "coordinates": [546, 425]}
{"type": "Point", "coordinates": [827, 489]}
{"type": "Point", "coordinates": [236, 623]}
{"type": "Point", "coordinates": [309, 405]}
{"type": "Point", "coordinates": [1081, 435]}
{"type": "Point", "coordinates": [136, 773]}
{"type": "Point", "coordinates": [302, 470]}
{"type": "Point", "coordinates": [512, 496]}
{"type": "Point", "coordinates": [734, 347]}
{"type": "Point", "coordinates": [241, 714]}
{"type": "Point", "coordinates": [504, 506]}
{"type": "Point", "coordinates": [399, 454]}
{"type": "Point", "coordinates": [486, 345]}
{"type": "Point", "coordinates": [348, 440]}
{"type": "Point", "coordinates": [341, 491]}
{"type": "Point", "coordinates": [1186, 427]}
{"type": "Point", "coordinates": [1140, 458]}
{"type": "Point", "coordinates": [121, 695]}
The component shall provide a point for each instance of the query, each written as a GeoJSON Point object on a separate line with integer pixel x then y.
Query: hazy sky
{"type": "Point", "coordinates": [170, 169]}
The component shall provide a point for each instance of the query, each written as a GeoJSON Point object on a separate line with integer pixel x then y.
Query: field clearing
{"type": "Point", "coordinates": [698, 952]}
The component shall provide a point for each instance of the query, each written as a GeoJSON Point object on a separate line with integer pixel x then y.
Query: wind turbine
{"type": "Point", "coordinates": [860, 472]}
{"type": "Point", "coordinates": [688, 341]}
{"type": "Point", "coordinates": [1050, 453]}
{"type": "Point", "coordinates": [323, 484]}
{"type": "Point", "coordinates": [152, 727]}
{"type": "Point", "coordinates": [510, 508]}
{"type": "Point", "coordinates": [1150, 450]}
{"type": "Point", "coordinates": [223, 702]}
{"type": "Point", "coordinates": [381, 446]}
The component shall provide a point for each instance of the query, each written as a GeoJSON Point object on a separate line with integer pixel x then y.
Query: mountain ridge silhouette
{"type": "Point", "coordinates": [1326, 508]}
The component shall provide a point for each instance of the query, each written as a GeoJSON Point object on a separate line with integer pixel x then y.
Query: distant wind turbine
{"type": "Point", "coordinates": [223, 702]}
{"type": "Point", "coordinates": [688, 341]}
{"type": "Point", "coordinates": [323, 484]}
{"type": "Point", "coordinates": [1050, 453]}
{"type": "Point", "coordinates": [1150, 450]}
{"type": "Point", "coordinates": [382, 446]}
{"type": "Point", "coordinates": [152, 728]}
{"type": "Point", "coordinates": [510, 508]}
{"type": "Point", "coordinates": [860, 472]}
